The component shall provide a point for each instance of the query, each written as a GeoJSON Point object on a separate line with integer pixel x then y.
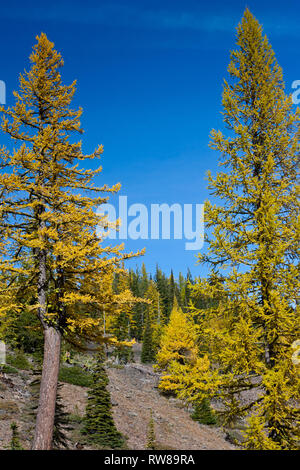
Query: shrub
{"type": "Point", "coordinates": [203, 413]}
{"type": "Point", "coordinates": [151, 440]}
{"type": "Point", "coordinates": [19, 361]}
{"type": "Point", "coordinates": [75, 375]}
{"type": "Point", "coordinates": [15, 443]}
{"type": "Point", "coordinates": [8, 369]}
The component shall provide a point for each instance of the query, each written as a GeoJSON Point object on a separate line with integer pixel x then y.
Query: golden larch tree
{"type": "Point", "coordinates": [253, 246]}
{"type": "Point", "coordinates": [49, 212]}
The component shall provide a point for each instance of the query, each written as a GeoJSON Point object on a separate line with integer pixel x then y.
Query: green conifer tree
{"type": "Point", "coordinates": [61, 423]}
{"type": "Point", "coordinates": [138, 309]}
{"type": "Point", "coordinates": [204, 413]}
{"type": "Point", "coordinates": [99, 427]}
{"type": "Point", "coordinates": [154, 309]}
{"type": "Point", "coordinates": [151, 439]}
{"type": "Point", "coordinates": [15, 443]}
{"type": "Point", "coordinates": [122, 321]}
{"type": "Point", "coordinates": [61, 417]}
{"type": "Point", "coordinates": [162, 286]}
{"type": "Point", "coordinates": [148, 354]}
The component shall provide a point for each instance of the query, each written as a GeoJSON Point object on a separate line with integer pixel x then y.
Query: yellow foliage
{"type": "Point", "coordinates": [255, 436]}
{"type": "Point", "coordinates": [192, 381]}
{"type": "Point", "coordinates": [48, 204]}
{"type": "Point", "coordinates": [178, 341]}
{"type": "Point", "coordinates": [253, 247]}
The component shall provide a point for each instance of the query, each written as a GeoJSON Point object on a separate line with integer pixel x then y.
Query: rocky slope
{"type": "Point", "coordinates": [134, 393]}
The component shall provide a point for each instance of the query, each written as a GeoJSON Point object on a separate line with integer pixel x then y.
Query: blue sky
{"type": "Point", "coordinates": [150, 81]}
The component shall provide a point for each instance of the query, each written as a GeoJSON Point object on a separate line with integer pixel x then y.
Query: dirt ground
{"type": "Point", "coordinates": [134, 393]}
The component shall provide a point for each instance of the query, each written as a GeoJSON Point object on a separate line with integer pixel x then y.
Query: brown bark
{"type": "Point", "coordinates": [46, 409]}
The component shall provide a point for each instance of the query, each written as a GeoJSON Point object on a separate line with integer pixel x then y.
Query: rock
{"type": "Point", "coordinates": [8, 407]}
{"type": "Point", "coordinates": [177, 403]}
{"type": "Point", "coordinates": [234, 436]}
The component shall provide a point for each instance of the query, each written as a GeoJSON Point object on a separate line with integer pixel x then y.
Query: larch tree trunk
{"type": "Point", "coordinates": [52, 343]}
{"type": "Point", "coordinates": [48, 390]}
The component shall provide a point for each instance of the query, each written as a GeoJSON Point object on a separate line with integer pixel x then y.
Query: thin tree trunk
{"type": "Point", "coordinates": [48, 390]}
{"type": "Point", "coordinates": [52, 341]}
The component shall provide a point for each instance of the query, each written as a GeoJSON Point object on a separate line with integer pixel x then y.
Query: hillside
{"type": "Point", "coordinates": [133, 392]}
